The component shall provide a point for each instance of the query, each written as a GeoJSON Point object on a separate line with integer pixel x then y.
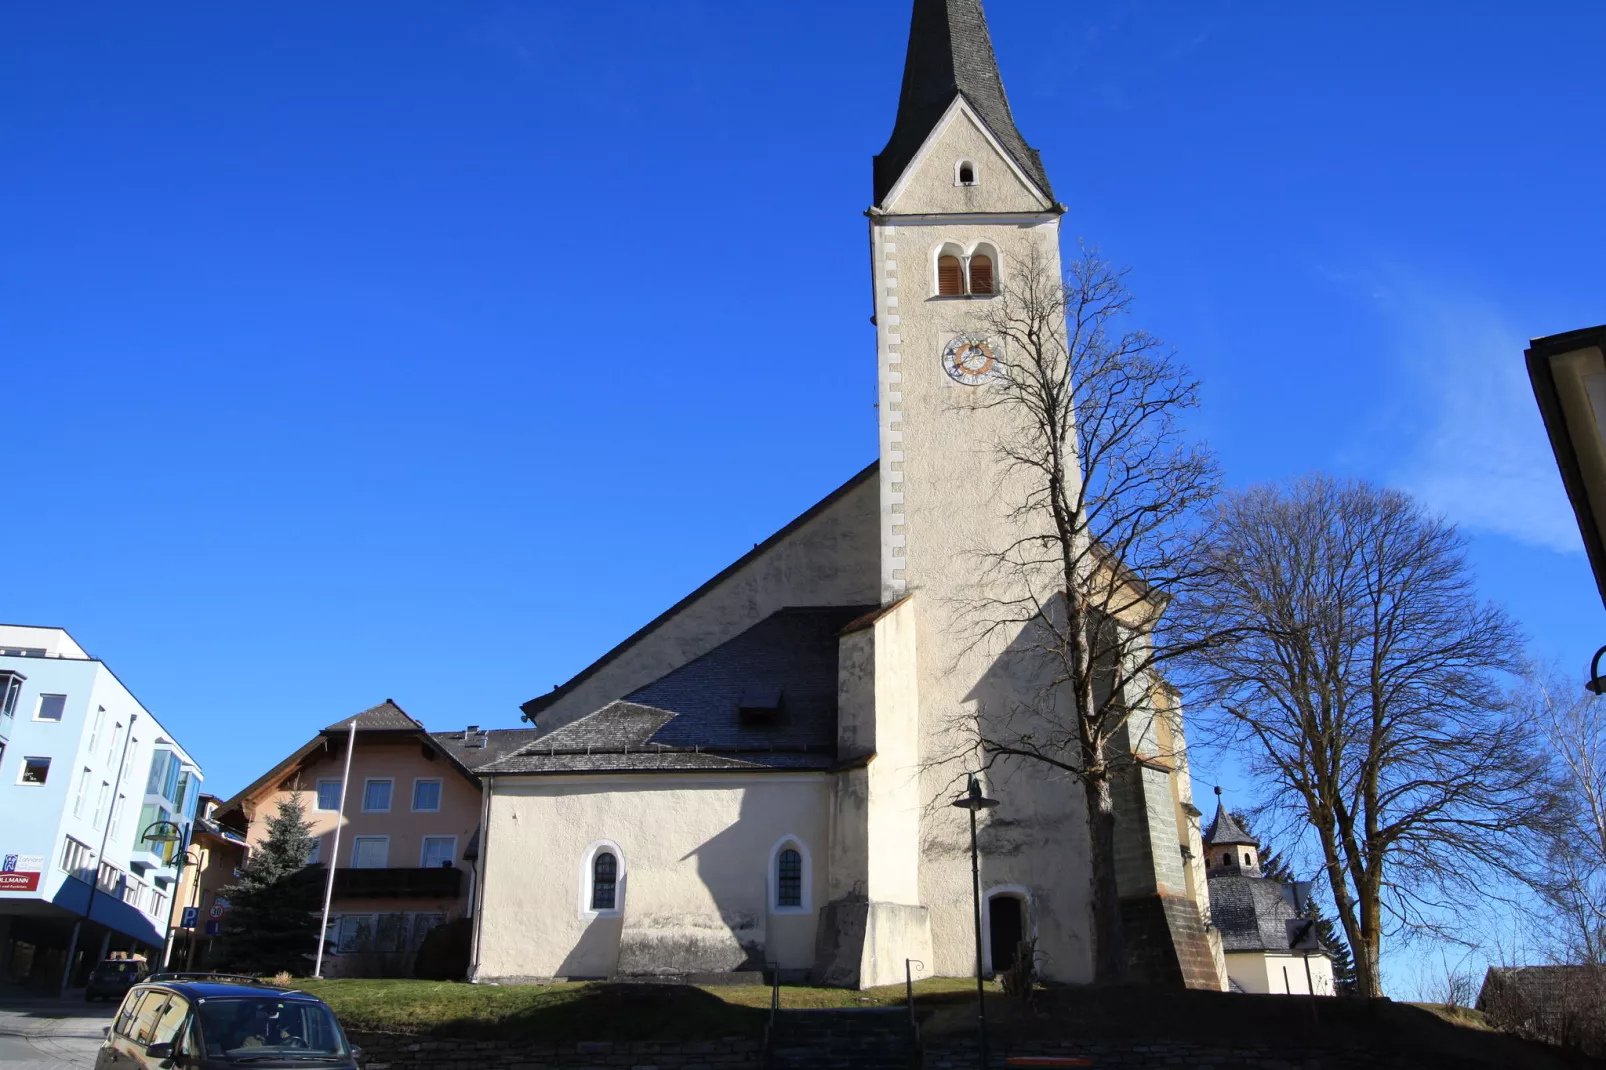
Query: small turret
{"type": "Point", "coordinates": [1228, 847]}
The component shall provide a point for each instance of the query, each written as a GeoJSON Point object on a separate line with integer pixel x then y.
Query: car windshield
{"type": "Point", "coordinates": [117, 969]}
{"type": "Point", "coordinates": [252, 1028]}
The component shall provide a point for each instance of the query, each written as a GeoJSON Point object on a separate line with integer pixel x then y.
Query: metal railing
{"type": "Point", "coordinates": [775, 1009]}
{"type": "Point", "coordinates": [909, 999]}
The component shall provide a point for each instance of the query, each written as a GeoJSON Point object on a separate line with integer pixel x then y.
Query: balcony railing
{"type": "Point", "coordinates": [434, 883]}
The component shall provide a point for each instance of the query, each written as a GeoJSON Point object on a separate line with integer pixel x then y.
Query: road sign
{"type": "Point", "coordinates": [190, 916]}
{"type": "Point", "coordinates": [213, 928]}
{"type": "Point", "coordinates": [220, 907]}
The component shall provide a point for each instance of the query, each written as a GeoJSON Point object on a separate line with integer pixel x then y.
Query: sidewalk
{"type": "Point", "coordinates": [41, 1033]}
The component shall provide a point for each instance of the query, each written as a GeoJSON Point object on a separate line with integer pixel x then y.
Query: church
{"type": "Point", "coordinates": [760, 777]}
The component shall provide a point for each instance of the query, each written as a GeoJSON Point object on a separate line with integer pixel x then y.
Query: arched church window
{"type": "Point", "coordinates": [604, 881]}
{"type": "Point", "coordinates": [1246, 858]}
{"type": "Point", "coordinates": [967, 173]}
{"type": "Point", "coordinates": [950, 276]}
{"type": "Point", "coordinates": [981, 274]}
{"type": "Point", "coordinates": [789, 879]}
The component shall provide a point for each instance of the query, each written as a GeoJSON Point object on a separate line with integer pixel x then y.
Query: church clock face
{"type": "Point", "coordinates": [970, 359]}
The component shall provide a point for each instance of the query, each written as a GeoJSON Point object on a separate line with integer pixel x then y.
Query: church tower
{"type": "Point", "coordinates": [963, 206]}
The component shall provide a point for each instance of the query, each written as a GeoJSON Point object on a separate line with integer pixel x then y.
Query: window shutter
{"type": "Point", "coordinates": [981, 274]}
{"type": "Point", "coordinates": [950, 277]}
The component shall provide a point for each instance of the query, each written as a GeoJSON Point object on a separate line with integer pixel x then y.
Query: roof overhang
{"type": "Point", "coordinates": [1568, 373]}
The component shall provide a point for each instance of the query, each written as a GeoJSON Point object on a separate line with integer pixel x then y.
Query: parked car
{"type": "Point", "coordinates": [113, 978]}
{"type": "Point", "coordinates": [209, 1025]}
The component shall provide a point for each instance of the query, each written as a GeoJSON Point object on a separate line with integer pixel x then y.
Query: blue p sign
{"type": "Point", "coordinates": [190, 916]}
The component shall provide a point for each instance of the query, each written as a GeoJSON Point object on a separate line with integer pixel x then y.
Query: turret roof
{"type": "Point", "coordinates": [1225, 830]}
{"type": "Point", "coordinates": [950, 54]}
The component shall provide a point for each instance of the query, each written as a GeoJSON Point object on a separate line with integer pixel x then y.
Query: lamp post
{"type": "Point", "coordinates": [162, 833]}
{"type": "Point", "coordinates": [973, 800]}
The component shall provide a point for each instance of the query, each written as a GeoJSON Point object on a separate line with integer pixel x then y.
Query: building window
{"type": "Point", "coordinates": [426, 795]}
{"type": "Point", "coordinates": [356, 933]}
{"type": "Point", "coordinates": [376, 796]}
{"type": "Point", "coordinates": [94, 732]}
{"type": "Point", "coordinates": [789, 879]}
{"type": "Point", "coordinates": [965, 173]}
{"type": "Point", "coordinates": [77, 860]}
{"type": "Point", "coordinates": [329, 795]}
{"type": "Point", "coordinates": [10, 688]}
{"type": "Point", "coordinates": [950, 276]}
{"type": "Point", "coordinates": [370, 852]}
{"type": "Point", "coordinates": [100, 802]}
{"type": "Point", "coordinates": [315, 854]}
{"type": "Point", "coordinates": [51, 707]}
{"type": "Point", "coordinates": [981, 274]}
{"type": "Point", "coordinates": [34, 771]}
{"type": "Point", "coordinates": [437, 851]}
{"type": "Point", "coordinates": [604, 881]}
{"type": "Point", "coordinates": [83, 790]}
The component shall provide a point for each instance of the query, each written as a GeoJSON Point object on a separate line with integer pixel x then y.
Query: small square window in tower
{"type": "Point", "coordinates": [760, 703]}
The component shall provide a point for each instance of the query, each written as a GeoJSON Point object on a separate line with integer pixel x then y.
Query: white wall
{"type": "Point", "coordinates": [696, 852]}
{"type": "Point", "coordinates": [1278, 974]}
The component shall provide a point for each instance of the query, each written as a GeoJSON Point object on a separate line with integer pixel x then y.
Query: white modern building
{"type": "Point", "coordinates": [85, 770]}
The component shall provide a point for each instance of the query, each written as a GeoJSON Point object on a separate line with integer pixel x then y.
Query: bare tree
{"type": "Point", "coordinates": [1102, 486]}
{"type": "Point", "coordinates": [1572, 876]}
{"type": "Point", "coordinates": [1368, 680]}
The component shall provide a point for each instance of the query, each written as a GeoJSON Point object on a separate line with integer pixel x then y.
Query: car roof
{"type": "Point", "coordinates": [223, 989]}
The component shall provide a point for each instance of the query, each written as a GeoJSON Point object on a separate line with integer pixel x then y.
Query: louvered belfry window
{"type": "Point", "coordinates": [981, 274]}
{"type": "Point", "coordinates": [950, 277]}
{"type": "Point", "coordinates": [789, 879]}
{"type": "Point", "coordinates": [604, 881]}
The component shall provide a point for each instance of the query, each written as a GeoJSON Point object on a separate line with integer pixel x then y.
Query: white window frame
{"type": "Point", "coordinates": [83, 789]}
{"type": "Point", "coordinates": [1028, 918]}
{"type": "Point", "coordinates": [774, 879]}
{"type": "Point", "coordinates": [22, 771]}
{"type": "Point", "coordinates": [317, 796]}
{"type": "Point", "coordinates": [94, 732]}
{"type": "Point", "coordinates": [975, 172]}
{"type": "Point", "coordinates": [589, 856]}
{"type": "Point", "coordinates": [378, 780]}
{"type": "Point", "coordinates": [451, 855]}
{"type": "Point", "coordinates": [439, 797]}
{"type": "Point", "coordinates": [39, 707]}
{"type": "Point", "coordinates": [355, 840]}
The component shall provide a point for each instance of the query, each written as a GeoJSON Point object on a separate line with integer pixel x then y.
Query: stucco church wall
{"type": "Point", "coordinates": [933, 186]}
{"type": "Point", "coordinates": [830, 560]}
{"type": "Point", "coordinates": [1278, 974]}
{"type": "Point", "coordinates": [695, 852]}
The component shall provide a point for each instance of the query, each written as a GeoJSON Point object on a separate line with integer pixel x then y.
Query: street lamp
{"type": "Point", "coordinates": [161, 834]}
{"type": "Point", "coordinates": [974, 800]}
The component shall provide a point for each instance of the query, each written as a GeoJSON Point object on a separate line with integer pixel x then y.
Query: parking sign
{"type": "Point", "coordinates": [190, 916]}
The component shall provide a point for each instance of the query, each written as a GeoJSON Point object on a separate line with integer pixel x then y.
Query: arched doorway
{"type": "Point", "coordinates": [1006, 928]}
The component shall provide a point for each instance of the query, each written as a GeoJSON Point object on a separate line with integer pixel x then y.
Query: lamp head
{"type": "Point", "coordinates": [973, 799]}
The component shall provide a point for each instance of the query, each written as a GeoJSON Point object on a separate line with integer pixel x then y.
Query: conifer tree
{"type": "Point", "coordinates": [272, 923]}
{"type": "Point", "coordinates": [1273, 865]}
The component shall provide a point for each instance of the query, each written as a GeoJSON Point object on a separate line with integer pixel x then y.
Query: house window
{"type": "Point", "coordinates": [966, 173]}
{"type": "Point", "coordinates": [94, 733]}
{"type": "Point", "coordinates": [356, 933]}
{"type": "Point", "coordinates": [100, 802]}
{"type": "Point", "coordinates": [604, 881]}
{"type": "Point", "coordinates": [329, 795]}
{"type": "Point", "coordinates": [437, 851]}
{"type": "Point", "coordinates": [77, 859]}
{"type": "Point", "coordinates": [426, 795]}
{"type": "Point", "coordinates": [51, 707]}
{"type": "Point", "coordinates": [83, 790]}
{"type": "Point", "coordinates": [370, 852]}
{"type": "Point", "coordinates": [789, 879]}
{"type": "Point", "coordinates": [376, 796]}
{"type": "Point", "coordinates": [34, 771]}
{"type": "Point", "coordinates": [315, 854]}
{"type": "Point", "coordinates": [981, 274]}
{"type": "Point", "coordinates": [950, 276]}
{"type": "Point", "coordinates": [10, 688]}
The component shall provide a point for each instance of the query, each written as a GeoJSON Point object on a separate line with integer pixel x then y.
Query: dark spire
{"type": "Point", "coordinates": [950, 54]}
{"type": "Point", "coordinates": [1225, 830]}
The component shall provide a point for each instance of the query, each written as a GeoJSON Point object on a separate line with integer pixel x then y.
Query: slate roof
{"type": "Point", "coordinates": [385, 717]}
{"type": "Point", "coordinates": [690, 719]}
{"type": "Point", "coordinates": [1225, 830]}
{"type": "Point", "coordinates": [498, 744]}
{"type": "Point", "coordinates": [950, 54]}
{"type": "Point", "coordinates": [1250, 912]}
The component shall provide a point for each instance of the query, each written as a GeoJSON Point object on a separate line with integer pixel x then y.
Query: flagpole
{"type": "Point", "coordinates": [334, 854]}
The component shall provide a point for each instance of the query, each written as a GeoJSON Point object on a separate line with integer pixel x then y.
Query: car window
{"type": "Point", "coordinates": [125, 1013]}
{"type": "Point", "coordinates": [170, 1021]}
{"type": "Point", "coordinates": [150, 1009]}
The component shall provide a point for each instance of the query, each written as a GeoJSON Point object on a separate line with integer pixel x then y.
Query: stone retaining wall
{"type": "Point", "coordinates": [1171, 1055]}
{"type": "Point", "coordinates": [404, 1051]}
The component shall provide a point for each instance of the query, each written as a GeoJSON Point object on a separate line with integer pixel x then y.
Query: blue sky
{"type": "Point", "coordinates": [424, 350]}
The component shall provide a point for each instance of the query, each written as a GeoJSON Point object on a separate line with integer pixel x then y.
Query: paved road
{"type": "Point", "coordinates": [51, 1034]}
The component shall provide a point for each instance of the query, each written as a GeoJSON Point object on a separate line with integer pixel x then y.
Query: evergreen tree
{"type": "Point", "coordinates": [1273, 865]}
{"type": "Point", "coordinates": [272, 923]}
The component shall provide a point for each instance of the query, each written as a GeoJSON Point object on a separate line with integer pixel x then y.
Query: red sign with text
{"type": "Point", "coordinates": [19, 882]}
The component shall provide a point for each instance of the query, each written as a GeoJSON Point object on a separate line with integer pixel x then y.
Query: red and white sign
{"type": "Point", "coordinates": [19, 882]}
{"type": "Point", "coordinates": [20, 873]}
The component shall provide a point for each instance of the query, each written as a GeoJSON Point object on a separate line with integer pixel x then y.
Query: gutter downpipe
{"type": "Point", "coordinates": [94, 877]}
{"type": "Point", "coordinates": [334, 854]}
{"type": "Point", "coordinates": [479, 878]}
